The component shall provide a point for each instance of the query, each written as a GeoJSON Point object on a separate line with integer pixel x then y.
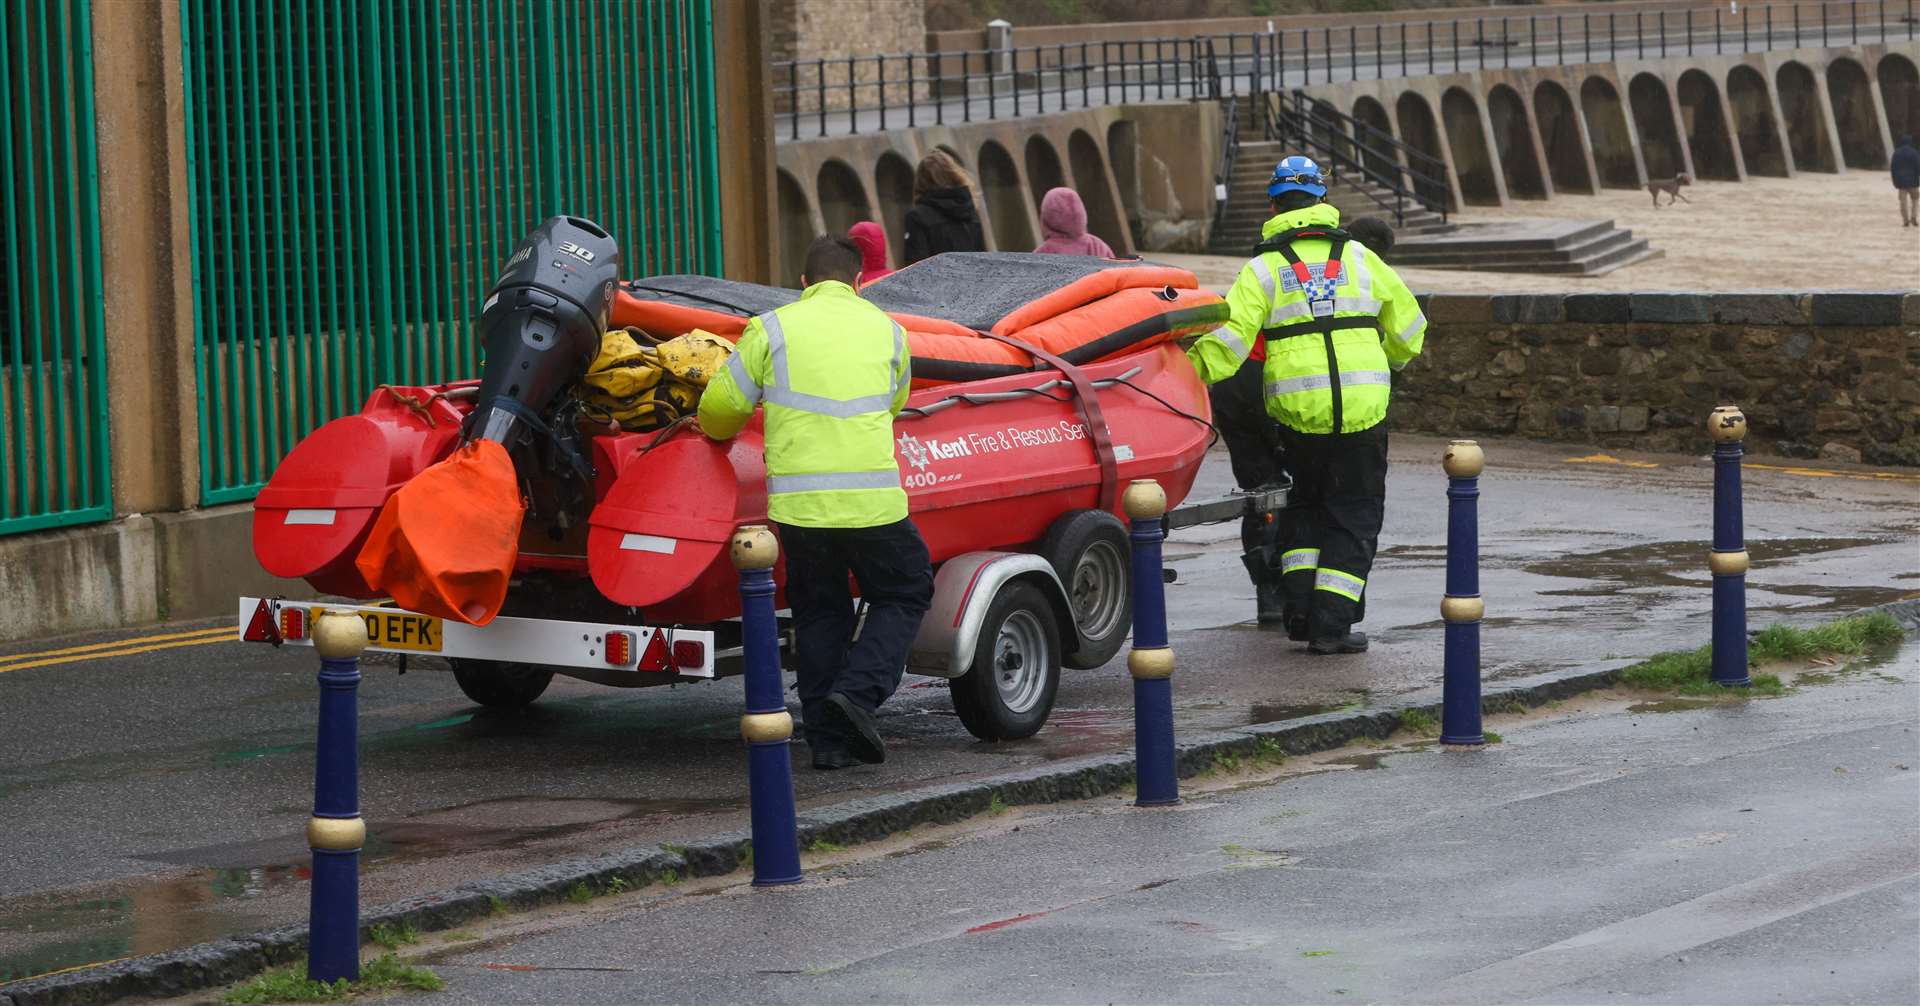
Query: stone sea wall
{"type": "Point", "coordinates": [1824, 375]}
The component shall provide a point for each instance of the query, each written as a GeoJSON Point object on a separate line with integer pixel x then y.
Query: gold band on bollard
{"type": "Point", "coordinates": [1727, 424]}
{"type": "Point", "coordinates": [1151, 663]}
{"type": "Point", "coordinates": [340, 635]}
{"type": "Point", "coordinates": [1462, 609]}
{"type": "Point", "coordinates": [755, 547]}
{"type": "Point", "coordinates": [1144, 499]}
{"type": "Point", "coordinates": [1727, 563]}
{"type": "Point", "coordinates": [343, 834]}
{"type": "Point", "coordinates": [759, 728]}
{"type": "Point", "coordinates": [1464, 459]}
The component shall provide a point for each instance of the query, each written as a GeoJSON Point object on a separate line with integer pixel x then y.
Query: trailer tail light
{"type": "Point", "coordinates": [689, 653]}
{"type": "Point", "coordinates": [293, 623]}
{"type": "Point", "coordinates": [619, 648]}
{"type": "Point", "coordinates": [656, 657]}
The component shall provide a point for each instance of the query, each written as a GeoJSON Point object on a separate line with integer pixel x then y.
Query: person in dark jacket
{"type": "Point", "coordinates": [942, 218]}
{"type": "Point", "coordinates": [1906, 181]}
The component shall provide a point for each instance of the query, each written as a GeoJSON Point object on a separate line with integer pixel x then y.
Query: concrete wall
{"type": "Point", "coordinates": [1819, 375]}
{"type": "Point", "coordinates": [836, 29]}
{"type": "Point", "coordinates": [1787, 111]}
{"type": "Point", "coordinates": [1161, 198]}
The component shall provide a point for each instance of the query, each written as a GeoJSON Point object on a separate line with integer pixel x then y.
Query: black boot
{"type": "Point", "coordinates": [1270, 602]}
{"type": "Point", "coordinates": [1351, 642]}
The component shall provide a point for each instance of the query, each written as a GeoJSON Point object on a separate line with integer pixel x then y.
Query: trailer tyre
{"type": "Point", "coordinates": [499, 685]}
{"type": "Point", "coordinates": [1008, 691]}
{"type": "Point", "coordinates": [1090, 551]}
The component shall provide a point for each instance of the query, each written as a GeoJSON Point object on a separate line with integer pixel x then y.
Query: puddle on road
{"type": "Point", "coordinates": [1360, 761]}
{"type": "Point", "coordinates": [58, 930]}
{"type": "Point", "coordinates": [1655, 563]}
{"type": "Point", "coordinates": [1671, 705]}
{"type": "Point", "coordinates": [1071, 733]}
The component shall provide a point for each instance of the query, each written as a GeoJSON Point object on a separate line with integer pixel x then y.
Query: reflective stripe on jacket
{"type": "Point", "coordinates": [832, 371]}
{"type": "Point", "coordinates": [1300, 372]}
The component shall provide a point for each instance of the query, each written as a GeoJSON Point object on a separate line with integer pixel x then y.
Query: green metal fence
{"type": "Point", "coordinates": [54, 467]}
{"type": "Point", "coordinates": [360, 169]}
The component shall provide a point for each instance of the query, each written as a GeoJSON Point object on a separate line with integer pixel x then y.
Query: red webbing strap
{"type": "Point", "coordinates": [1089, 403]}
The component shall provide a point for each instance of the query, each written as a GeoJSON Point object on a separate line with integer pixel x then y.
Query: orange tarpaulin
{"type": "Point", "coordinates": [446, 542]}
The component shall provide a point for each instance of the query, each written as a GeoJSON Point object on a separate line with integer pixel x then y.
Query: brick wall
{"type": "Point", "coordinates": [1818, 375]}
{"type": "Point", "coordinates": [808, 30]}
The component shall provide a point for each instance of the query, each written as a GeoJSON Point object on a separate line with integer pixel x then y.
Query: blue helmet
{"type": "Point", "coordinates": [1297, 174]}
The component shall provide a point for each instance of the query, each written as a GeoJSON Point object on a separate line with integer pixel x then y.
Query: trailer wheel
{"type": "Point", "coordinates": [1008, 691]}
{"type": "Point", "coordinates": [1090, 550]}
{"type": "Point", "coordinates": [501, 685]}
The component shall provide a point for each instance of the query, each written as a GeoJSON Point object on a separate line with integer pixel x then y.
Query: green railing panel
{"type": "Point", "coordinates": [54, 464]}
{"type": "Point", "coordinates": [360, 169]}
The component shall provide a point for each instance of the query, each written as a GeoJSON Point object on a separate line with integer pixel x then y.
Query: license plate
{"type": "Point", "coordinates": [400, 630]}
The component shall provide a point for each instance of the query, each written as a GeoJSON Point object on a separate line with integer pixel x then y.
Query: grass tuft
{"type": "Point", "coordinates": [497, 906]}
{"type": "Point", "coordinates": [1419, 721]}
{"type": "Point", "coordinates": [996, 806]}
{"type": "Point", "coordinates": [580, 893]}
{"type": "Point", "coordinates": [291, 985]}
{"type": "Point", "coordinates": [1688, 671]}
{"type": "Point", "coordinates": [394, 937]}
{"type": "Point", "coordinates": [1492, 738]}
{"type": "Point", "coordinates": [822, 845]}
{"type": "Point", "coordinates": [617, 885]}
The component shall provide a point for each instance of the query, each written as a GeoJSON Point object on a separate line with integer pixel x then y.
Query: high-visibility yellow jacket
{"type": "Point", "coordinates": [832, 371]}
{"type": "Point", "coordinates": [1318, 367]}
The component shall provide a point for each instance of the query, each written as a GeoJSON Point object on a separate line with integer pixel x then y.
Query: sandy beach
{"type": "Point", "coordinates": [1814, 232]}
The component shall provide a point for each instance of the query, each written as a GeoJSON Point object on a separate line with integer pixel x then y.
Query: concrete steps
{"type": "Point", "coordinates": [1354, 196]}
{"type": "Point", "coordinates": [1559, 247]}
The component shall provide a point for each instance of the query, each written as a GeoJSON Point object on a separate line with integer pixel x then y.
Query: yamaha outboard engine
{"type": "Point", "coordinates": [541, 326]}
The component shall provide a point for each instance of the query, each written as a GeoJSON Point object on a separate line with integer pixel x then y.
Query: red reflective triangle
{"type": "Point", "coordinates": [657, 657]}
{"type": "Point", "coordinates": [262, 628]}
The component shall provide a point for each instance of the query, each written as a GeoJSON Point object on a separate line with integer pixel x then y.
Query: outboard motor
{"type": "Point", "coordinates": [541, 325]}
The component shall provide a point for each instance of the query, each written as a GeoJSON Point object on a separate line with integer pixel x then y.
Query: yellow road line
{"type": "Point", "coordinates": [227, 635]}
{"type": "Point", "coordinates": [1828, 473]}
{"type": "Point", "coordinates": [1608, 459]}
{"type": "Point", "coordinates": [115, 644]}
{"type": "Point", "coordinates": [77, 968]}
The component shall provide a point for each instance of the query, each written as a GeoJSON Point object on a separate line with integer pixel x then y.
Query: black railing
{"type": "Point", "coordinates": [1229, 153]}
{"type": "Point", "coordinates": [824, 97]}
{"type": "Point", "coordinates": [1374, 153]}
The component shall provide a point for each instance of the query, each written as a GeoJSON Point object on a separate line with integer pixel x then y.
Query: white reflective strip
{"type": "Point", "coordinates": [1293, 384]}
{"type": "Point", "coordinates": [648, 543]}
{"type": "Point", "coordinates": [1295, 310]}
{"type": "Point", "coordinates": [776, 348]}
{"type": "Point", "coordinates": [803, 402]}
{"type": "Point", "coordinates": [1299, 559]}
{"type": "Point", "coordinates": [1310, 382]}
{"type": "Point", "coordinates": [822, 481]}
{"type": "Point", "coordinates": [737, 369]}
{"type": "Point", "coordinates": [295, 517]}
{"type": "Point", "coordinates": [1231, 339]}
{"type": "Point", "coordinates": [894, 373]}
{"type": "Point", "coordinates": [1333, 579]}
{"type": "Point", "coordinates": [1405, 336]}
{"type": "Point", "coordinates": [1362, 279]}
{"type": "Point", "coordinates": [1263, 274]}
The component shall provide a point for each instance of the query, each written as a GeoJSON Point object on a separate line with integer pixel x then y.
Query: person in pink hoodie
{"type": "Point", "coordinates": [1063, 219]}
{"type": "Point", "coordinates": [872, 242]}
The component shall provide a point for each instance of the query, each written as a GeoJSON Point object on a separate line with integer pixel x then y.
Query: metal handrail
{"type": "Point", "coordinates": [1308, 111]}
{"type": "Point", "coordinates": [1229, 153]}
{"type": "Point", "coordinates": [1382, 141]}
{"type": "Point", "coordinates": [875, 93]}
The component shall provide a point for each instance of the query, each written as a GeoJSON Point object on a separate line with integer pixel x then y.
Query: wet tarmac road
{"type": "Point", "coordinates": [155, 796]}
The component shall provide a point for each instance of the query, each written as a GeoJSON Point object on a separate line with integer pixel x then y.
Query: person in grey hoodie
{"type": "Point", "coordinates": [1063, 219]}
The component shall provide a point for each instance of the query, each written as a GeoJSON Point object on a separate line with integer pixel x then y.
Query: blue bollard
{"type": "Point", "coordinates": [335, 832]}
{"type": "Point", "coordinates": [1462, 608]}
{"type": "Point", "coordinates": [767, 726]}
{"type": "Point", "coordinates": [1151, 660]}
{"type": "Point", "coordinates": [1728, 560]}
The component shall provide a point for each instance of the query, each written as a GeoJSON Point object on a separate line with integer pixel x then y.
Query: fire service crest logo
{"type": "Point", "coordinates": [914, 452]}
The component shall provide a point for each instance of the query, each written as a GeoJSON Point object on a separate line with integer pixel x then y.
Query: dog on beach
{"type": "Point", "coordinates": [1671, 186]}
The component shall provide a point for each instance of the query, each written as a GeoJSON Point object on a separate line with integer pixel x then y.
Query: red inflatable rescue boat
{"type": "Point", "coordinates": [1042, 385]}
